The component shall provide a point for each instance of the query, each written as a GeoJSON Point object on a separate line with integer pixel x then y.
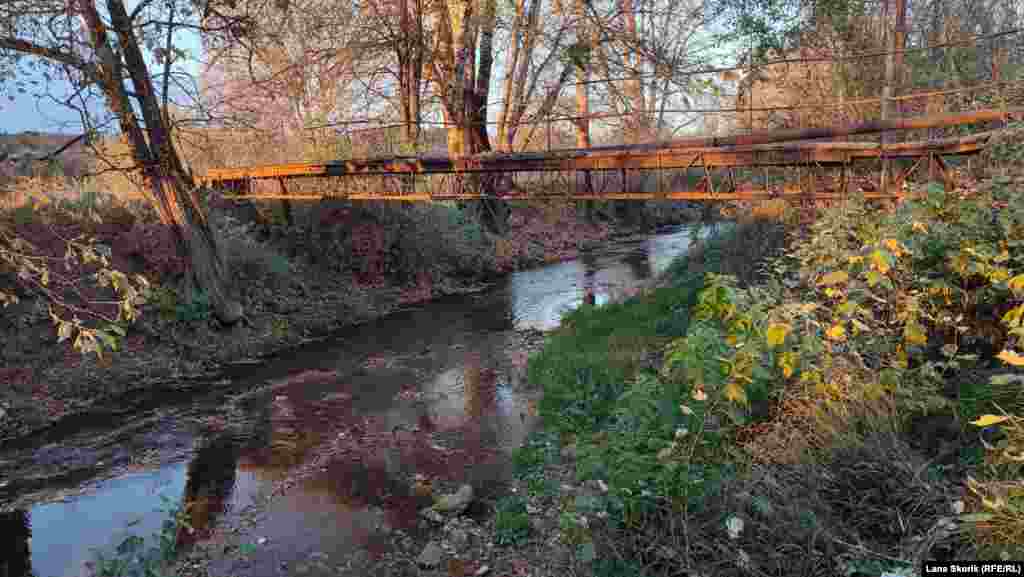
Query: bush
{"type": "Point", "coordinates": [248, 258]}
{"type": "Point", "coordinates": [372, 239]}
{"type": "Point", "coordinates": [512, 523]}
{"type": "Point", "coordinates": [778, 407]}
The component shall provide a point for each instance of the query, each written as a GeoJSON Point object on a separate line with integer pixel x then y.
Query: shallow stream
{"type": "Point", "coordinates": [335, 430]}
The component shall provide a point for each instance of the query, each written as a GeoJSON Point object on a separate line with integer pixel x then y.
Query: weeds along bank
{"type": "Point", "coordinates": [334, 264]}
{"type": "Point", "coordinates": [854, 409]}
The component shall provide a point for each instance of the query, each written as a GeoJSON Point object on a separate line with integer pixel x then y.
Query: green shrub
{"type": "Point", "coordinates": [135, 557]}
{"type": "Point", "coordinates": [512, 523]}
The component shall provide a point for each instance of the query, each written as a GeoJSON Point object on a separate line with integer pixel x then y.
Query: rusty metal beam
{"type": "Point", "coordinates": [793, 192]}
{"type": "Point", "coordinates": [800, 154]}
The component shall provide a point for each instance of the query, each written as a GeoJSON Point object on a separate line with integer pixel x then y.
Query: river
{"type": "Point", "coordinates": [335, 430]}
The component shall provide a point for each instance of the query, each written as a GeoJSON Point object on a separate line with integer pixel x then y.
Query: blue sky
{"type": "Point", "coordinates": [30, 112]}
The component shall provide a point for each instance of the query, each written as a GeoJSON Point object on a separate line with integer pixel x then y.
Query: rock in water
{"type": "Point", "coordinates": [455, 503]}
{"type": "Point", "coordinates": [431, 556]}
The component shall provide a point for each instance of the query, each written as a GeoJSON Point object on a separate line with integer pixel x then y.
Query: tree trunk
{"type": "Point", "coordinates": [893, 63]}
{"type": "Point", "coordinates": [627, 210]}
{"type": "Point", "coordinates": [584, 43]}
{"type": "Point", "coordinates": [170, 186]}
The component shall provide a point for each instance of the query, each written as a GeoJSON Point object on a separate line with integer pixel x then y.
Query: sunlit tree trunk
{"type": "Point", "coordinates": [169, 185]}
{"type": "Point", "coordinates": [583, 43]}
{"type": "Point", "coordinates": [893, 65]}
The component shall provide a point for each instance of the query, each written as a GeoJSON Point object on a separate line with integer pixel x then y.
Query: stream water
{"type": "Point", "coordinates": [335, 430]}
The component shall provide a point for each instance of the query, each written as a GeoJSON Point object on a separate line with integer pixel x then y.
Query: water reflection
{"type": "Point", "coordinates": [639, 262]}
{"type": "Point", "coordinates": [208, 488]}
{"type": "Point", "coordinates": [15, 535]}
{"type": "Point", "coordinates": [589, 261]}
{"type": "Point", "coordinates": [428, 390]}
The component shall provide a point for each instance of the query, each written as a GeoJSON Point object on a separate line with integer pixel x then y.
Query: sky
{"type": "Point", "coordinates": [28, 112]}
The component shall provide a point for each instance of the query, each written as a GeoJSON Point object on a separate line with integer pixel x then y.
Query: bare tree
{"type": "Point", "coordinates": [111, 51]}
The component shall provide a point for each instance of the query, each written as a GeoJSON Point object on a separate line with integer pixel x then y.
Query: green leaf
{"type": "Point", "coordinates": [108, 339]}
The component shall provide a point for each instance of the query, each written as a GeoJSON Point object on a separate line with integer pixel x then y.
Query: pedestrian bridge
{"type": "Point", "coordinates": [804, 163]}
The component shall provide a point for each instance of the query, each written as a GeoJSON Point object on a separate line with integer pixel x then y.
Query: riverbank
{"type": "Point", "coordinates": [176, 347]}
{"type": "Point", "coordinates": [816, 418]}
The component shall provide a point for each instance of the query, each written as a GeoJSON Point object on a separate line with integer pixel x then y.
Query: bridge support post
{"type": "Point", "coordinates": [286, 205]}
{"type": "Point", "coordinates": [937, 168]}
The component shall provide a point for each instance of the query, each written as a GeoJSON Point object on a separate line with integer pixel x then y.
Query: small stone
{"type": "Point", "coordinates": [431, 515]}
{"type": "Point", "coordinates": [261, 541]}
{"type": "Point", "coordinates": [456, 502]}
{"type": "Point", "coordinates": [459, 539]}
{"type": "Point", "coordinates": [958, 507]}
{"type": "Point", "coordinates": [532, 509]}
{"type": "Point", "coordinates": [431, 555]}
{"type": "Point", "coordinates": [482, 570]}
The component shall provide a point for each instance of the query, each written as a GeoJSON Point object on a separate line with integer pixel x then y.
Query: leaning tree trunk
{"type": "Point", "coordinates": [179, 208]}
{"type": "Point", "coordinates": [170, 186]}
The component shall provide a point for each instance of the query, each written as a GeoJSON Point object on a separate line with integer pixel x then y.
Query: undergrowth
{"type": "Point", "coordinates": [773, 424]}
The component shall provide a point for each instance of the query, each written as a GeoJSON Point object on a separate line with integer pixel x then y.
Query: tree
{"type": "Point", "coordinates": [110, 52]}
{"type": "Point", "coordinates": [461, 77]}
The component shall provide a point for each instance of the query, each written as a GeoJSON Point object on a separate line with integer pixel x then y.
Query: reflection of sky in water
{"type": "Point", "coordinates": [64, 533]}
{"type": "Point", "coordinates": [540, 297]}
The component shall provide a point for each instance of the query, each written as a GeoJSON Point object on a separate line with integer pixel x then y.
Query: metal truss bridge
{"type": "Point", "coordinates": [694, 169]}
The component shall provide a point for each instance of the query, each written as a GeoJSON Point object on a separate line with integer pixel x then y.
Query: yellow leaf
{"type": "Point", "coordinates": [731, 340]}
{"type": "Point", "coordinates": [918, 226]}
{"type": "Point", "coordinates": [787, 362]}
{"type": "Point", "coordinates": [855, 259]}
{"type": "Point", "coordinates": [1011, 358]}
{"type": "Point", "coordinates": [1013, 317]}
{"type": "Point", "coordinates": [894, 246]}
{"type": "Point", "coordinates": [734, 392]}
{"type": "Point", "coordinates": [989, 420]}
{"type": "Point", "coordinates": [776, 333]}
{"type": "Point", "coordinates": [64, 332]}
{"type": "Point", "coordinates": [1017, 283]}
{"type": "Point", "coordinates": [913, 334]}
{"type": "Point", "coordinates": [834, 278]}
{"type": "Point", "coordinates": [879, 262]}
{"type": "Point", "coordinates": [836, 333]}
{"type": "Point", "coordinates": [998, 274]}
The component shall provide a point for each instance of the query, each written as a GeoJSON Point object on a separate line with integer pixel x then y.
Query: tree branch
{"type": "Point", "coordinates": [33, 49]}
